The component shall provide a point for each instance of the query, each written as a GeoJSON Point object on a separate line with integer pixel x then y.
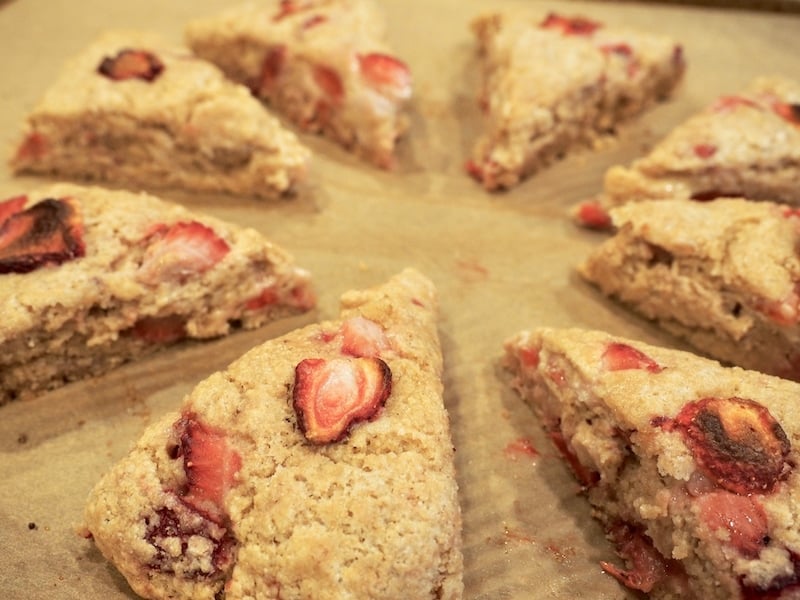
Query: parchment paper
{"type": "Point", "coordinates": [501, 263]}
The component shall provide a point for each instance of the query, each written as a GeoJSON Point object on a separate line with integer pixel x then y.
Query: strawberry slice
{"type": "Point", "coordinates": [49, 232]}
{"type": "Point", "coordinates": [742, 517]}
{"type": "Point", "coordinates": [646, 564]}
{"type": "Point", "coordinates": [180, 250]}
{"type": "Point", "coordinates": [331, 395]}
{"type": "Point", "coordinates": [529, 357]}
{"type": "Point", "coordinates": [131, 64]}
{"type": "Point", "coordinates": [364, 338]}
{"type": "Point", "coordinates": [210, 464]}
{"type": "Point", "coordinates": [271, 69]}
{"type": "Point", "coordinates": [585, 476]}
{"type": "Point", "coordinates": [620, 357]}
{"type": "Point", "coordinates": [592, 215]}
{"type": "Point", "coordinates": [386, 74]}
{"type": "Point", "coordinates": [570, 25]}
{"type": "Point", "coordinates": [329, 82]}
{"type": "Point", "coordinates": [11, 206]}
{"type": "Point", "coordinates": [160, 330]}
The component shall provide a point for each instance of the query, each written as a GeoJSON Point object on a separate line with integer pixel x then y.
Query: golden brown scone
{"type": "Point", "coordinates": [135, 110]}
{"type": "Point", "coordinates": [318, 465]}
{"type": "Point", "coordinates": [91, 278]}
{"type": "Point", "coordinates": [691, 466]}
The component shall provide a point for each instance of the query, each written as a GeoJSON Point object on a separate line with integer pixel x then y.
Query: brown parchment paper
{"type": "Point", "coordinates": [501, 263]}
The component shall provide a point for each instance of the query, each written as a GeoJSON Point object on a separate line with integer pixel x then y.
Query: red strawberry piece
{"type": "Point", "coordinates": [177, 251]}
{"type": "Point", "coordinates": [211, 466]}
{"type": "Point", "coordinates": [49, 232]}
{"type": "Point", "coordinates": [783, 312]}
{"type": "Point", "coordinates": [585, 476]}
{"type": "Point", "coordinates": [619, 357]}
{"type": "Point", "coordinates": [592, 215]}
{"type": "Point", "coordinates": [131, 64]}
{"type": "Point", "coordinates": [362, 337]}
{"type": "Point", "coordinates": [160, 330]}
{"type": "Point", "coordinates": [570, 25]}
{"type": "Point", "coordinates": [289, 8]}
{"type": "Point", "coordinates": [736, 442]}
{"type": "Point", "coordinates": [267, 297]}
{"type": "Point", "coordinates": [303, 297]}
{"type": "Point", "coordinates": [11, 206]}
{"type": "Point", "coordinates": [529, 357]}
{"type": "Point", "coordinates": [705, 150]}
{"type": "Point", "coordinates": [329, 82]}
{"type": "Point", "coordinates": [314, 21]}
{"type": "Point", "coordinates": [728, 103]}
{"type": "Point", "coordinates": [331, 395]}
{"type": "Point", "coordinates": [790, 112]}
{"type": "Point", "coordinates": [271, 69]}
{"type": "Point", "coordinates": [386, 73]}
{"type": "Point", "coordinates": [646, 565]}
{"type": "Point", "coordinates": [742, 517]}
{"type": "Point", "coordinates": [474, 170]}
{"type": "Point", "coordinates": [34, 147]}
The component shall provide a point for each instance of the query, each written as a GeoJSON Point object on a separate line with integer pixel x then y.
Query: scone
{"type": "Point", "coordinates": [322, 63]}
{"type": "Point", "coordinates": [557, 83]}
{"type": "Point", "coordinates": [91, 278]}
{"type": "Point", "coordinates": [133, 110]}
{"type": "Point", "coordinates": [724, 275]}
{"type": "Point", "coordinates": [690, 466]}
{"type": "Point", "coordinates": [745, 145]}
{"type": "Point", "coordinates": [319, 465]}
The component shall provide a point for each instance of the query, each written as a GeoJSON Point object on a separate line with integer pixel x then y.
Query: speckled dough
{"type": "Point", "coordinates": [545, 92]}
{"type": "Point", "coordinates": [311, 52]}
{"type": "Point", "coordinates": [723, 275]}
{"type": "Point", "coordinates": [189, 128]}
{"type": "Point", "coordinates": [614, 422]}
{"type": "Point", "coordinates": [375, 515]}
{"type": "Point", "coordinates": [738, 146]}
{"type": "Point", "coordinates": [67, 322]}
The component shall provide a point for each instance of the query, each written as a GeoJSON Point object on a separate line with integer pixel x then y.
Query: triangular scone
{"type": "Point", "coordinates": [745, 145]}
{"type": "Point", "coordinates": [552, 84]}
{"type": "Point", "coordinates": [691, 466]}
{"type": "Point", "coordinates": [91, 278]}
{"type": "Point", "coordinates": [319, 465]}
{"type": "Point", "coordinates": [132, 109]}
{"type": "Point", "coordinates": [724, 275]}
{"type": "Point", "coordinates": [323, 63]}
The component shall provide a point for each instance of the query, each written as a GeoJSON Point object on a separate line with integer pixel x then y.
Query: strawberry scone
{"type": "Point", "coordinates": [134, 110]}
{"type": "Point", "coordinates": [322, 63]}
{"type": "Point", "coordinates": [92, 278]}
{"type": "Point", "coordinates": [556, 83]}
{"type": "Point", "coordinates": [744, 145]}
{"type": "Point", "coordinates": [689, 465]}
{"type": "Point", "coordinates": [319, 465]}
{"type": "Point", "coordinates": [724, 275]}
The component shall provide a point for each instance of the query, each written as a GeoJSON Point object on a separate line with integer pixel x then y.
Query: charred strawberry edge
{"type": "Point", "coordinates": [148, 66]}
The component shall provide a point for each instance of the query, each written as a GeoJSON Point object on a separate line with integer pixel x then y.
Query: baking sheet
{"type": "Point", "coordinates": [501, 263]}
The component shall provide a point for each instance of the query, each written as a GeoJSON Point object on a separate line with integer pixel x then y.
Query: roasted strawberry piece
{"type": "Point", "coordinates": [592, 215]}
{"type": "Point", "coordinates": [331, 395]}
{"type": "Point", "coordinates": [169, 531]}
{"type": "Point", "coordinates": [289, 8]}
{"type": "Point", "coordinates": [271, 69]}
{"type": "Point", "coordinates": [529, 357]}
{"type": "Point", "coordinates": [790, 112]}
{"type": "Point", "coordinates": [131, 64]}
{"type": "Point", "coordinates": [210, 463]}
{"type": "Point", "coordinates": [11, 206]}
{"type": "Point", "coordinates": [742, 517]}
{"type": "Point", "coordinates": [785, 311]}
{"type": "Point", "coordinates": [570, 25]}
{"type": "Point", "coordinates": [49, 232]}
{"type": "Point", "coordinates": [585, 476]}
{"type": "Point", "coordinates": [619, 357]}
{"type": "Point", "coordinates": [728, 103]}
{"type": "Point", "coordinates": [267, 297]}
{"type": "Point", "coordinates": [179, 251]}
{"type": "Point", "coordinates": [647, 567]}
{"type": "Point", "coordinates": [314, 21]}
{"type": "Point", "coordinates": [386, 74]}
{"type": "Point", "coordinates": [704, 150]}
{"type": "Point", "coordinates": [34, 147]}
{"type": "Point", "coordinates": [362, 337]}
{"type": "Point", "coordinates": [736, 442]}
{"type": "Point", "coordinates": [329, 82]}
{"type": "Point", "coordinates": [160, 330]}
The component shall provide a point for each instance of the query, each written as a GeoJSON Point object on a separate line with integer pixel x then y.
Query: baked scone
{"type": "Point", "coordinates": [745, 145]}
{"type": "Point", "coordinates": [134, 110]}
{"type": "Point", "coordinates": [690, 466]}
{"type": "Point", "coordinates": [322, 63]}
{"type": "Point", "coordinates": [552, 84]}
{"type": "Point", "coordinates": [319, 465]}
{"type": "Point", "coordinates": [91, 278]}
{"type": "Point", "coordinates": [724, 275]}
